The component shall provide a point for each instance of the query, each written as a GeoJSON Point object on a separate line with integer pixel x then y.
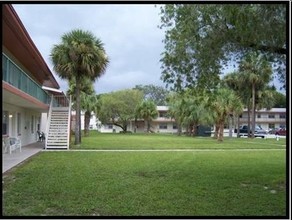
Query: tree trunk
{"type": "Point", "coordinates": [78, 114]}
{"type": "Point", "coordinates": [230, 118]}
{"type": "Point", "coordinates": [86, 123]}
{"type": "Point", "coordinates": [179, 129]}
{"type": "Point", "coordinates": [216, 130]}
{"type": "Point", "coordinates": [238, 125]}
{"type": "Point", "coordinates": [248, 120]}
{"type": "Point", "coordinates": [148, 126]}
{"type": "Point", "coordinates": [195, 129]}
{"type": "Point", "coordinates": [253, 111]}
{"type": "Point", "coordinates": [221, 130]}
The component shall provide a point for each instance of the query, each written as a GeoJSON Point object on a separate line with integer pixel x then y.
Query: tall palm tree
{"type": "Point", "coordinates": [237, 82]}
{"type": "Point", "coordinates": [177, 105]}
{"type": "Point", "coordinates": [147, 110]}
{"type": "Point", "coordinates": [257, 73]}
{"type": "Point", "coordinates": [79, 55]}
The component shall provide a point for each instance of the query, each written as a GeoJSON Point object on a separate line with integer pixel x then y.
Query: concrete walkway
{"type": "Point", "coordinates": [11, 160]}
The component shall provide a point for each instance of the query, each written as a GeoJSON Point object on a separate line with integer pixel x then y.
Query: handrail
{"type": "Point", "coordinates": [49, 120]}
{"type": "Point", "coordinates": [69, 123]}
{"type": "Point", "coordinates": [60, 101]}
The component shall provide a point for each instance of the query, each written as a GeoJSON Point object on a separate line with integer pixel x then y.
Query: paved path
{"type": "Point", "coordinates": [11, 160]}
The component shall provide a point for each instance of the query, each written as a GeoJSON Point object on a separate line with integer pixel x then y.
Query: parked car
{"type": "Point", "coordinates": [259, 132]}
{"type": "Point", "coordinates": [281, 131]}
{"type": "Point", "coordinates": [278, 131]}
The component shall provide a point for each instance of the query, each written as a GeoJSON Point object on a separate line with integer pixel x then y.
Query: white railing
{"type": "Point", "coordinates": [69, 122]}
{"type": "Point", "coordinates": [49, 121]}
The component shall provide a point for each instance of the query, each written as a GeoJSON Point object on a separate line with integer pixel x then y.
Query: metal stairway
{"type": "Point", "coordinates": [58, 126]}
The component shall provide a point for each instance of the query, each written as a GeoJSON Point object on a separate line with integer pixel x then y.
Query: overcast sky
{"type": "Point", "coordinates": [130, 35]}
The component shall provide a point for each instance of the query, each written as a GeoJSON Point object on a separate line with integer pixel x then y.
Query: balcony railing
{"type": "Point", "coordinates": [16, 77]}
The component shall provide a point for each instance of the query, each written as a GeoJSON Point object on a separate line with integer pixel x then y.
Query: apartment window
{"type": "Point", "coordinates": [258, 116]}
{"type": "Point", "coordinates": [18, 123]}
{"type": "Point", "coordinates": [162, 126]}
{"type": "Point", "coordinates": [271, 126]}
{"type": "Point", "coordinates": [5, 122]}
{"type": "Point", "coordinates": [163, 114]}
{"type": "Point", "coordinates": [271, 116]}
{"type": "Point", "coordinates": [282, 115]}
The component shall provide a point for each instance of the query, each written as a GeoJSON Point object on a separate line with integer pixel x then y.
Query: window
{"type": "Point", "coordinates": [163, 126]}
{"type": "Point", "coordinates": [163, 114]}
{"type": "Point", "coordinates": [282, 115]}
{"type": "Point", "coordinates": [109, 126]}
{"type": "Point", "coordinates": [18, 123]}
{"type": "Point", "coordinates": [5, 122]}
{"type": "Point", "coordinates": [258, 116]}
{"type": "Point", "coordinates": [271, 126]}
{"type": "Point", "coordinates": [271, 116]}
{"type": "Point", "coordinates": [174, 126]}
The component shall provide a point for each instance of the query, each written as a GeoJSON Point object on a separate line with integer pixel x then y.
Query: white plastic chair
{"type": "Point", "coordinates": [11, 144]}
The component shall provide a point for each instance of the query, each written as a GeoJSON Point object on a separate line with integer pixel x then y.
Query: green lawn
{"type": "Point", "coordinates": [194, 183]}
{"type": "Point", "coordinates": [169, 141]}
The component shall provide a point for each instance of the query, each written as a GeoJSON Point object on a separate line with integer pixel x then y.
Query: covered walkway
{"type": "Point", "coordinates": [11, 160]}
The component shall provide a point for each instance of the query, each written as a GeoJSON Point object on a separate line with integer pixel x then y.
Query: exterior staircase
{"type": "Point", "coordinates": [58, 126]}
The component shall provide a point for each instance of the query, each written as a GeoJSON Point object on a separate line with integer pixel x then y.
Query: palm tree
{"type": "Point", "coordinates": [79, 55]}
{"type": "Point", "coordinates": [88, 100]}
{"type": "Point", "coordinates": [147, 110]}
{"type": "Point", "coordinates": [257, 73]}
{"type": "Point", "coordinates": [224, 103]}
{"type": "Point", "coordinates": [89, 103]}
{"type": "Point", "coordinates": [177, 105]}
{"type": "Point", "coordinates": [236, 82]}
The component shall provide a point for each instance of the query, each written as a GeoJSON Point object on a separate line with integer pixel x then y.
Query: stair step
{"type": "Point", "coordinates": [57, 136]}
{"type": "Point", "coordinates": [59, 145]}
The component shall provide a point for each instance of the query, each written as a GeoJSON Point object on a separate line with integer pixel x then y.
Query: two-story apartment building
{"type": "Point", "coordinates": [267, 119]}
{"type": "Point", "coordinates": [24, 77]}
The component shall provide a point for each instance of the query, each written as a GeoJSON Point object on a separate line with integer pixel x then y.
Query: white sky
{"type": "Point", "coordinates": [130, 34]}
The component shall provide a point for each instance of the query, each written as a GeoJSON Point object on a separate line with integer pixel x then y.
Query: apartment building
{"type": "Point", "coordinates": [27, 82]}
{"type": "Point", "coordinates": [162, 124]}
{"type": "Point", "coordinates": [267, 118]}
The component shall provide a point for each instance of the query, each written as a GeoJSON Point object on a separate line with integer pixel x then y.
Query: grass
{"type": "Point", "coordinates": [196, 183]}
{"type": "Point", "coordinates": [164, 141]}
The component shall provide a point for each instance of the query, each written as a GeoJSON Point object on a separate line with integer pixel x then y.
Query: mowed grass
{"type": "Point", "coordinates": [152, 183]}
{"type": "Point", "coordinates": [170, 141]}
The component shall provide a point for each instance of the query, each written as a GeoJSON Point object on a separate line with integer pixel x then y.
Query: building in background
{"type": "Point", "coordinates": [266, 119]}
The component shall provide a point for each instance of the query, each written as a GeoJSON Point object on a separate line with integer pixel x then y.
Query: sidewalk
{"type": "Point", "coordinates": [11, 160]}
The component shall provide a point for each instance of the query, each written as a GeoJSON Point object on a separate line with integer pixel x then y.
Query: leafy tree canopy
{"type": "Point", "coordinates": [156, 94]}
{"type": "Point", "coordinates": [119, 107]}
{"type": "Point", "coordinates": [200, 39]}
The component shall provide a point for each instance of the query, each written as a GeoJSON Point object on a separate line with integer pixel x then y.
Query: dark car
{"type": "Point", "coordinates": [278, 131]}
{"type": "Point", "coordinates": [281, 131]}
{"type": "Point", "coordinates": [259, 132]}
